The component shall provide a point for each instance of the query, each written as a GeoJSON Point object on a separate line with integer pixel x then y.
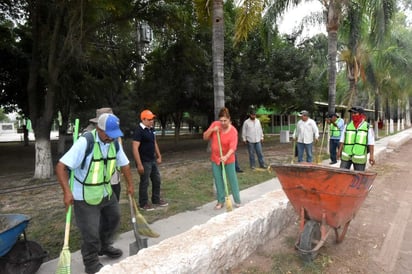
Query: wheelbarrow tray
{"type": "Point", "coordinates": [11, 227]}
{"type": "Point", "coordinates": [324, 193]}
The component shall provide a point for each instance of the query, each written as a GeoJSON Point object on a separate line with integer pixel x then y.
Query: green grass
{"type": "Point", "coordinates": [184, 190]}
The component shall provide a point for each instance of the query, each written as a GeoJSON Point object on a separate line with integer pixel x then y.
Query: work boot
{"type": "Point", "coordinates": [93, 268]}
{"type": "Point", "coordinates": [111, 252]}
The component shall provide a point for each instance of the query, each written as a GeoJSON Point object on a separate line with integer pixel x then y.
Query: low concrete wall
{"type": "Point", "coordinates": [399, 139]}
{"type": "Point", "coordinates": [216, 246]}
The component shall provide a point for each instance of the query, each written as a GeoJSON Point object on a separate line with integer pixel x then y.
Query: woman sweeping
{"type": "Point", "coordinates": [223, 156]}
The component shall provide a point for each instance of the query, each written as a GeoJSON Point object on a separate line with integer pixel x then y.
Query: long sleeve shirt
{"type": "Point", "coordinates": [252, 131]}
{"type": "Point", "coordinates": [305, 131]}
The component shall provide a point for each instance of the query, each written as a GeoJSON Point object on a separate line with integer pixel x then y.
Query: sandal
{"type": "Point", "coordinates": [218, 206]}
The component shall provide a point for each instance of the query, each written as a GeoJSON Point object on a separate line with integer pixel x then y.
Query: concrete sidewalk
{"type": "Point", "coordinates": [167, 228]}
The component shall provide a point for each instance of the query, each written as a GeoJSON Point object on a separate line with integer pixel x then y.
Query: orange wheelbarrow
{"type": "Point", "coordinates": [325, 198]}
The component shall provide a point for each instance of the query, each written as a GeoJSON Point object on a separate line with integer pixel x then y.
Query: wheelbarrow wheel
{"type": "Point", "coordinates": [24, 258]}
{"type": "Point", "coordinates": [308, 240]}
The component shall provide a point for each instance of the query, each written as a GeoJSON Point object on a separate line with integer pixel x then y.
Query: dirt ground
{"type": "Point", "coordinates": [378, 239]}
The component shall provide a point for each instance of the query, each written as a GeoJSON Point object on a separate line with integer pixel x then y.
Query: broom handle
{"type": "Point", "coordinates": [223, 164]}
{"type": "Point", "coordinates": [69, 210]}
{"type": "Point", "coordinates": [321, 144]}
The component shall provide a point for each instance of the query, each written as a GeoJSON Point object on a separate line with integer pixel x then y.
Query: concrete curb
{"type": "Point", "coordinates": [217, 245]}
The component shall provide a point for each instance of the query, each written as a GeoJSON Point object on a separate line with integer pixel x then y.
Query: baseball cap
{"type": "Point", "coordinates": [147, 114]}
{"type": "Point", "coordinates": [333, 115]}
{"type": "Point", "coordinates": [357, 110]}
{"type": "Point", "coordinates": [110, 124]}
{"type": "Point", "coordinates": [304, 113]}
{"type": "Point", "coordinates": [99, 112]}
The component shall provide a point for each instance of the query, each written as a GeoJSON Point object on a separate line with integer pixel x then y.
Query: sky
{"type": "Point", "coordinates": [293, 18]}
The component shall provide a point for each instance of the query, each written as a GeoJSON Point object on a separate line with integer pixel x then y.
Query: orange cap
{"type": "Point", "coordinates": [147, 114]}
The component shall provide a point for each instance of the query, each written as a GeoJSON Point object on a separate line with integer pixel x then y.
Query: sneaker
{"type": "Point", "coordinates": [161, 203]}
{"type": "Point", "coordinates": [238, 205]}
{"type": "Point", "coordinates": [93, 269]}
{"type": "Point", "coordinates": [111, 252]}
{"type": "Point", "coordinates": [147, 207]}
{"type": "Point", "coordinates": [239, 171]}
{"type": "Point", "coordinates": [264, 166]}
{"type": "Point", "coordinates": [332, 163]}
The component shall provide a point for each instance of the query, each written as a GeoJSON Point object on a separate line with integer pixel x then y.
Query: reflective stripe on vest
{"type": "Point", "coordinates": [356, 142]}
{"type": "Point", "coordinates": [334, 131]}
{"type": "Point", "coordinates": [99, 173]}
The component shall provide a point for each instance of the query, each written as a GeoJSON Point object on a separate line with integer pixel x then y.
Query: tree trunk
{"type": "Point", "coordinates": [332, 52]}
{"type": "Point", "coordinates": [44, 164]}
{"type": "Point", "coordinates": [332, 25]}
{"type": "Point", "coordinates": [218, 55]}
{"type": "Point", "coordinates": [407, 112]}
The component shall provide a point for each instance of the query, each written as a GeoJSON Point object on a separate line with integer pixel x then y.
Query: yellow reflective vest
{"type": "Point", "coordinates": [99, 173]}
{"type": "Point", "coordinates": [334, 130]}
{"type": "Point", "coordinates": [356, 143]}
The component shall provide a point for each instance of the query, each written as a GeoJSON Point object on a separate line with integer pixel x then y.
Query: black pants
{"type": "Point", "coordinates": [97, 225]}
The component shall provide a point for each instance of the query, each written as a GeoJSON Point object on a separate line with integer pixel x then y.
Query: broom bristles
{"type": "Point", "coordinates": [228, 204]}
{"type": "Point", "coordinates": [142, 226]}
{"type": "Point", "coordinates": [63, 266]}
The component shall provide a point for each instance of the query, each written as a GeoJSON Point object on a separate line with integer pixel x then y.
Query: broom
{"type": "Point", "coordinates": [142, 226]}
{"type": "Point", "coordinates": [318, 160]}
{"type": "Point", "coordinates": [294, 152]}
{"type": "Point", "coordinates": [228, 201]}
{"type": "Point", "coordinates": [63, 266]}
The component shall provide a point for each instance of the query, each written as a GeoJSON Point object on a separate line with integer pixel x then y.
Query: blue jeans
{"type": "Point", "coordinates": [151, 172]}
{"type": "Point", "coordinates": [97, 225]}
{"type": "Point", "coordinates": [252, 148]}
{"type": "Point", "coordinates": [302, 147]}
{"type": "Point", "coordinates": [333, 147]}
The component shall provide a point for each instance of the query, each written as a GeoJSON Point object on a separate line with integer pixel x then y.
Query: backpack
{"type": "Point", "coordinates": [90, 143]}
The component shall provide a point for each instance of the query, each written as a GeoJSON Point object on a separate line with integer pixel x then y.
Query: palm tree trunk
{"type": "Point", "coordinates": [332, 52]}
{"type": "Point", "coordinates": [218, 43]}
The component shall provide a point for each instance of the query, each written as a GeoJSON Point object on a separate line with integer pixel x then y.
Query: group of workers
{"type": "Point", "coordinates": [350, 143]}
{"type": "Point", "coordinates": [97, 170]}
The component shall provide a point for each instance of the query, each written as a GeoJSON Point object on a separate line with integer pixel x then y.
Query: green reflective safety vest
{"type": "Point", "coordinates": [356, 143]}
{"type": "Point", "coordinates": [99, 173]}
{"type": "Point", "coordinates": [335, 131]}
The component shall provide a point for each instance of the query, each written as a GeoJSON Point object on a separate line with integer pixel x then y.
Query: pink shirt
{"type": "Point", "coordinates": [228, 141]}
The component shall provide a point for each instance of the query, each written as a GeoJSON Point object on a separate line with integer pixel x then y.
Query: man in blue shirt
{"type": "Point", "coordinates": [96, 209]}
{"type": "Point", "coordinates": [336, 126]}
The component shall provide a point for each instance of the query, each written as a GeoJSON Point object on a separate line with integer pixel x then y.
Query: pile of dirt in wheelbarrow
{"type": "Point", "coordinates": [379, 238]}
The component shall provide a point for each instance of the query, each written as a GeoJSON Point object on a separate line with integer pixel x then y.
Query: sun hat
{"type": "Point", "coordinates": [110, 124]}
{"type": "Point", "coordinates": [99, 112]}
{"type": "Point", "coordinates": [147, 114]}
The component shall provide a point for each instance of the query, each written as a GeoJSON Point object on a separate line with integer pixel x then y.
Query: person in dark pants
{"type": "Point", "coordinates": [96, 209]}
{"type": "Point", "coordinates": [336, 126]}
{"type": "Point", "coordinates": [147, 155]}
{"type": "Point", "coordinates": [357, 140]}
{"type": "Point", "coordinates": [115, 180]}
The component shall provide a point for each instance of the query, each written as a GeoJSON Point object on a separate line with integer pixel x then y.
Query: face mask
{"type": "Point", "coordinates": [357, 119]}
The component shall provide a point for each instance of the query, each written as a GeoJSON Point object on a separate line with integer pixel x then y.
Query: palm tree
{"type": "Point", "coordinates": [250, 10]}
{"type": "Point", "coordinates": [218, 45]}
